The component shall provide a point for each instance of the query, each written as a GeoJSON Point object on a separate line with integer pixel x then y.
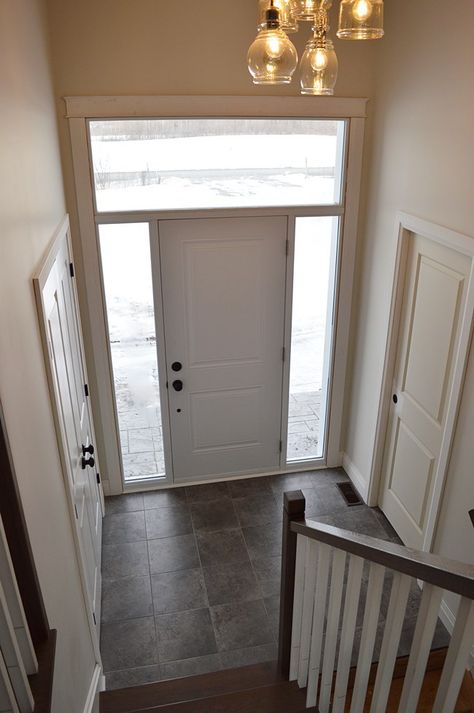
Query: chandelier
{"type": "Point", "coordinates": [272, 57]}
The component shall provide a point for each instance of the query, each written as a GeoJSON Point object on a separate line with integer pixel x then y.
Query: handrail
{"type": "Point", "coordinates": [447, 574]}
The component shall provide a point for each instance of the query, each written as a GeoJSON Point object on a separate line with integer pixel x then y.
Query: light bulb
{"type": "Point", "coordinates": [275, 47]}
{"type": "Point", "coordinates": [362, 10]}
{"type": "Point", "coordinates": [319, 59]}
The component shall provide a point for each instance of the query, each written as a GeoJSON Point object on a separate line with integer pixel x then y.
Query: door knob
{"type": "Point", "coordinates": [178, 385]}
{"type": "Point", "coordinates": [89, 449]}
{"type": "Point", "coordinates": [176, 366]}
{"type": "Point", "coordinates": [87, 462]}
{"type": "Point", "coordinates": [395, 399]}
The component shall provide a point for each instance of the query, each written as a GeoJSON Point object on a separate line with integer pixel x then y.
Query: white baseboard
{"type": "Point", "coordinates": [97, 685]}
{"type": "Point", "coordinates": [447, 617]}
{"type": "Point", "coordinates": [359, 482]}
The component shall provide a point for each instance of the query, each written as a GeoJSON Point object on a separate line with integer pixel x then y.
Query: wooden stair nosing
{"type": "Point", "coordinates": [128, 700]}
{"type": "Point", "coordinates": [277, 698]}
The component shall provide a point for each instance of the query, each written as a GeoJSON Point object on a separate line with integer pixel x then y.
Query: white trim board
{"type": "Point", "coordinates": [97, 685]}
{"type": "Point", "coordinates": [405, 226]}
{"type": "Point", "coordinates": [214, 106]}
{"type": "Point", "coordinates": [360, 483]}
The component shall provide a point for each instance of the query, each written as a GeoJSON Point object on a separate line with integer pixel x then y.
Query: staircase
{"type": "Point", "coordinates": [260, 689]}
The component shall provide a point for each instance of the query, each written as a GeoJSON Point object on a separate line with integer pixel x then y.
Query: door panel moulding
{"type": "Point", "coordinates": [407, 225]}
{"type": "Point", "coordinates": [81, 109]}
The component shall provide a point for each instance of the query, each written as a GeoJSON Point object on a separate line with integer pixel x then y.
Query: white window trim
{"type": "Point", "coordinates": [81, 109]}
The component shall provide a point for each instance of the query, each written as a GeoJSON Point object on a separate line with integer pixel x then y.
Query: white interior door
{"type": "Point", "coordinates": [61, 322]}
{"type": "Point", "coordinates": [223, 283]}
{"type": "Point", "coordinates": [434, 296]}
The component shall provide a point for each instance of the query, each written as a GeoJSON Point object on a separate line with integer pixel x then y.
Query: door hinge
{"type": "Point", "coordinates": [98, 479]}
{"type": "Point", "coordinates": [283, 354]}
{"type": "Point", "coordinates": [71, 269]}
{"type": "Point", "coordinates": [77, 514]}
{"type": "Point", "coordinates": [95, 620]}
{"type": "Point", "coordinates": [281, 446]}
{"type": "Point", "coordinates": [287, 247]}
{"type": "Point", "coordinates": [86, 389]}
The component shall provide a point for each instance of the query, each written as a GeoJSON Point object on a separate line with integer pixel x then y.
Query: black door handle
{"type": "Point", "coordinates": [87, 462]}
{"type": "Point", "coordinates": [89, 449]}
{"type": "Point", "coordinates": [177, 385]}
{"type": "Point", "coordinates": [176, 366]}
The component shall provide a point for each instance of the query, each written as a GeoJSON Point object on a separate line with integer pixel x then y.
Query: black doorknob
{"type": "Point", "coordinates": [178, 385]}
{"type": "Point", "coordinates": [89, 449]}
{"type": "Point", "coordinates": [87, 462]}
{"type": "Point", "coordinates": [395, 399]}
{"type": "Point", "coordinates": [176, 366]}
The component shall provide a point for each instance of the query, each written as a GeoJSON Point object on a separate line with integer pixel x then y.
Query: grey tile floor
{"type": "Point", "coordinates": [191, 576]}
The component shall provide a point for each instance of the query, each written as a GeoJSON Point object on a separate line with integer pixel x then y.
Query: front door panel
{"type": "Point", "coordinates": [223, 292]}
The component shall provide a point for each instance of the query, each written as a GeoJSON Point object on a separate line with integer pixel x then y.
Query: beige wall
{"type": "Point", "coordinates": [422, 163]}
{"type": "Point", "coordinates": [31, 207]}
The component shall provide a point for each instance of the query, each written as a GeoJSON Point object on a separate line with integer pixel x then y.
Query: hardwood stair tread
{"type": "Point", "coordinates": [128, 700]}
{"type": "Point", "coordinates": [276, 698]}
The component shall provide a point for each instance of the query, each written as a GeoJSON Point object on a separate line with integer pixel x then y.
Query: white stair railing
{"type": "Point", "coordinates": [328, 579]}
{"type": "Point", "coordinates": [17, 655]}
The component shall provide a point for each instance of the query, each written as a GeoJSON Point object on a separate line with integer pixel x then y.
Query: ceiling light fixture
{"type": "Point", "coordinates": [272, 57]}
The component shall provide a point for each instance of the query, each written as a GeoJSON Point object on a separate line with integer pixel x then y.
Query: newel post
{"type": "Point", "coordinates": [293, 509]}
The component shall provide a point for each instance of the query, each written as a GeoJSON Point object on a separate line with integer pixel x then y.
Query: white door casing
{"type": "Point", "coordinates": [432, 318]}
{"type": "Point", "coordinates": [64, 356]}
{"type": "Point", "coordinates": [223, 283]}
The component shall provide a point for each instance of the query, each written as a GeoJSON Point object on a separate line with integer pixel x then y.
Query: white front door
{"type": "Point", "coordinates": [223, 283]}
{"type": "Point", "coordinates": [435, 291]}
{"type": "Point", "coordinates": [65, 360]}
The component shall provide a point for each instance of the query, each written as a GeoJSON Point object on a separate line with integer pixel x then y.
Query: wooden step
{"type": "Point", "coordinates": [277, 698]}
{"type": "Point", "coordinates": [129, 700]}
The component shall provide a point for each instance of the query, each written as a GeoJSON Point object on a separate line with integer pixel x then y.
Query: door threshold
{"type": "Point", "coordinates": [153, 484]}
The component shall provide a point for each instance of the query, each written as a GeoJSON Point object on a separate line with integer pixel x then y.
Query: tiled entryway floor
{"type": "Point", "coordinates": [191, 576]}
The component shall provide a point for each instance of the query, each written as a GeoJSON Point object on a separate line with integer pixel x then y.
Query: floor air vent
{"type": "Point", "coordinates": [349, 493]}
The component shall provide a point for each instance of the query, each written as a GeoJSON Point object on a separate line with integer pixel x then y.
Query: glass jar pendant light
{"type": "Point", "coordinates": [287, 8]}
{"type": "Point", "coordinates": [272, 58]}
{"type": "Point", "coordinates": [319, 65]}
{"type": "Point", "coordinates": [361, 20]}
{"type": "Point", "coordinates": [306, 9]}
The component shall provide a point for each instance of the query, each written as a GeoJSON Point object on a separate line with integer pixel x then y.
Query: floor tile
{"type": "Point", "coordinates": [230, 583]}
{"type": "Point", "coordinates": [250, 486]}
{"type": "Point", "coordinates": [128, 598]}
{"type": "Point", "coordinates": [268, 573]}
{"type": "Point", "coordinates": [191, 667]}
{"type": "Point", "coordinates": [263, 542]}
{"type": "Point", "coordinates": [208, 491]}
{"type": "Point", "coordinates": [164, 498]}
{"type": "Point", "coordinates": [257, 510]}
{"type": "Point", "coordinates": [221, 547]}
{"type": "Point", "coordinates": [241, 625]}
{"type": "Point", "coordinates": [178, 591]}
{"type": "Point", "coordinates": [169, 554]}
{"type": "Point", "coordinates": [249, 656]}
{"type": "Point", "coordinates": [128, 644]}
{"type": "Point", "coordinates": [168, 522]}
{"type": "Point", "coordinates": [185, 635]}
{"type": "Point", "coordinates": [323, 500]}
{"type": "Point", "coordinates": [132, 677]}
{"type": "Point", "coordinates": [125, 560]}
{"type": "Point", "coordinates": [123, 503]}
{"type": "Point", "coordinates": [285, 483]}
{"type": "Point", "coordinates": [123, 527]}
{"type": "Point", "coordinates": [272, 606]}
{"type": "Point", "coordinates": [214, 515]}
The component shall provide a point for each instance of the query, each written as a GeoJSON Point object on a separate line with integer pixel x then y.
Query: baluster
{"type": "Point", "coordinates": [11, 653]}
{"type": "Point", "coordinates": [332, 628]}
{"type": "Point", "coordinates": [351, 606]}
{"type": "Point", "coordinates": [7, 696]}
{"type": "Point", "coordinates": [391, 638]}
{"type": "Point", "coordinates": [455, 664]}
{"type": "Point", "coordinates": [420, 648]}
{"type": "Point", "coordinates": [308, 605]}
{"type": "Point", "coordinates": [369, 632]}
{"type": "Point", "coordinates": [319, 616]}
{"type": "Point", "coordinates": [297, 606]}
